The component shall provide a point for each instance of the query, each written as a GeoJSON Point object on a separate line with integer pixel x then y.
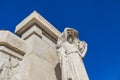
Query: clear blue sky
{"type": "Point", "coordinates": [98, 22]}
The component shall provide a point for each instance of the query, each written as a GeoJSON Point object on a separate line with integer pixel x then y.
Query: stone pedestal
{"type": "Point", "coordinates": [34, 47]}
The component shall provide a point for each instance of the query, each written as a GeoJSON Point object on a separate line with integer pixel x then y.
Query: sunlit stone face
{"type": "Point", "coordinates": [70, 39]}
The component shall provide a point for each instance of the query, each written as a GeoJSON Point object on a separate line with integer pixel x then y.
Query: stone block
{"type": "Point", "coordinates": [12, 44]}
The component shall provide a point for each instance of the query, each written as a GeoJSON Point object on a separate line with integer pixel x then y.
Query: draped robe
{"type": "Point", "coordinates": [71, 62]}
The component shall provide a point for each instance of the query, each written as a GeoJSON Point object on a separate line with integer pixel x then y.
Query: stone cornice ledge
{"type": "Point", "coordinates": [12, 42]}
{"type": "Point", "coordinates": [36, 18]}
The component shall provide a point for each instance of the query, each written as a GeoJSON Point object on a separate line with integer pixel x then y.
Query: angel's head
{"type": "Point", "coordinates": [69, 35]}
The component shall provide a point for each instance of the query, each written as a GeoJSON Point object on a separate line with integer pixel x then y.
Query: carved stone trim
{"type": "Point", "coordinates": [11, 52]}
{"type": "Point", "coordinates": [45, 33]}
{"type": "Point", "coordinates": [12, 41]}
{"type": "Point", "coordinates": [49, 37]}
{"type": "Point", "coordinates": [35, 18]}
{"type": "Point", "coordinates": [34, 29]}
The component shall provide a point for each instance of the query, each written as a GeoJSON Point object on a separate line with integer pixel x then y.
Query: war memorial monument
{"type": "Point", "coordinates": [38, 51]}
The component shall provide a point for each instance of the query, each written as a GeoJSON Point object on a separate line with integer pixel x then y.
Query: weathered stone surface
{"type": "Point", "coordinates": [12, 44]}
{"type": "Point", "coordinates": [31, 55]}
{"type": "Point", "coordinates": [12, 50]}
{"type": "Point", "coordinates": [33, 30]}
{"type": "Point", "coordinates": [71, 51]}
{"type": "Point", "coordinates": [35, 18]}
{"type": "Point", "coordinates": [40, 54]}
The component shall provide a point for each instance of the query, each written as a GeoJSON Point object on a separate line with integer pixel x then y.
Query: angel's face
{"type": "Point", "coordinates": [70, 39]}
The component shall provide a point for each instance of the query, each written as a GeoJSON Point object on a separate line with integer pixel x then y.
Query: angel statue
{"type": "Point", "coordinates": [71, 52]}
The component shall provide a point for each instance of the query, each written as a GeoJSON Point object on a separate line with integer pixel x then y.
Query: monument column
{"type": "Point", "coordinates": [40, 39]}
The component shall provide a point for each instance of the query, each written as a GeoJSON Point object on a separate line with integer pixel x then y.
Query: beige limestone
{"type": "Point", "coordinates": [33, 30]}
{"type": "Point", "coordinates": [12, 50]}
{"type": "Point", "coordinates": [31, 55]}
{"type": "Point", "coordinates": [40, 42]}
{"type": "Point", "coordinates": [71, 52]}
{"type": "Point", "coordinates": [35, 18]}
{"type": "Point", "coordinates": [12, 42]}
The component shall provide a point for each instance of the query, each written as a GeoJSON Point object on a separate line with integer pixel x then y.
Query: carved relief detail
{"type": "Point", "coordinates": [8, 68]}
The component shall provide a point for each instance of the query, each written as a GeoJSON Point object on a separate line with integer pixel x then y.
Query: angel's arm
{"type": "Point", "coordinates": [82, 47]}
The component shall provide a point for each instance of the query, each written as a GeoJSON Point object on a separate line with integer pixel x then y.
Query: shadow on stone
{"type": "Point", "coordinates": [58, 72]}
{"type": "Point", "coordinates": [69, 79]}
